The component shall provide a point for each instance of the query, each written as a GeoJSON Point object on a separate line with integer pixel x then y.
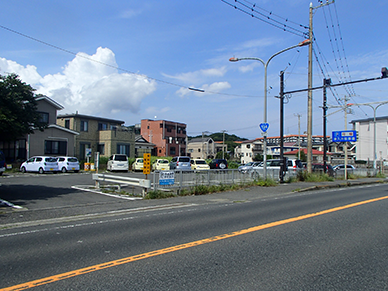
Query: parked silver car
{"type": "Point", "coordinates": [180, 163]}
{"type": "Point", "coordinates": [40, 164]}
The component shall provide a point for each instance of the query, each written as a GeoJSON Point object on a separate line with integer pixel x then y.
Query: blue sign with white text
{"type": "Point", "coordinates": [264, 126]}
{"type": "Point", "coordinates": [344, 136]}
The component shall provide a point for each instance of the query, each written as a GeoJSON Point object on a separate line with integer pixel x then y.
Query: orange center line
{"type": "Point", "coordinates": [127, 260]}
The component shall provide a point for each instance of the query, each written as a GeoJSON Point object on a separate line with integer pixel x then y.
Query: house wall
{"type": "Point", "coordinates": [365, 142]}
{"type": "Point", "coordinates": [169, 137]}
{"type": "Point", "coordinates": [45, 107]}
{"type": "Point", "coordinates": [35, 142]}
{"type": "Point", "coordinates": [109, 138]}
{"type": "Point", "coordinates": [201, 150]}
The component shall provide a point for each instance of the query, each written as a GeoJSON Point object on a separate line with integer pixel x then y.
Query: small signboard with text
{"type": "Point", "coordinates": [166, 178]}
{"type": "Point", "coordinates": [344, 136]}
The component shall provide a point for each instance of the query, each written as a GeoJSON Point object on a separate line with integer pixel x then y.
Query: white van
{"type": "Point", "coordinates": [117, 162]}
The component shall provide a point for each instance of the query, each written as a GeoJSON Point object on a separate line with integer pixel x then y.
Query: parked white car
{"type": "Point", "coordinates": [40, 165]}
{"type": "Point", "coordinates": [199, 164]}
{"type": "Point", "coordinates": [138, 165]}
{"type": "Point", "coordinates": [117, 162]}
{"type": "Point", "coordinates": [161, 165]}
{"type": "Point", "coordinates": [66, 164]}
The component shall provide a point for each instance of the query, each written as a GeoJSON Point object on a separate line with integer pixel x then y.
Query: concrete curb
{"type": "Point", "coordinates": [341, 185]}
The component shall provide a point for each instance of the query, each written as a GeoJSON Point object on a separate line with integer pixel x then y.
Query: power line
{"type": "Point", "coordinates": [251, 11]}
{"type": "Point", "coordinates": [121, 69]}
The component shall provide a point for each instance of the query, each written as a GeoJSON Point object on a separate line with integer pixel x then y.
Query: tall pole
{"type": "Point", "coordinates": [324, 125]}
{"type": "Point", "coordinates": [223, 144]}
{"type": "Point", "coordinates": [303, 43]}
{"type": "Point", "coordinates": [282, 165]}
{"type": "Point", "coordinates": [310, 95]}
{"type": "Point", "coordinates": [310, 92]}
{"type": "Point", "coordinates": [299, 115]}
{"type": "Point", "coordinates": [346, 143]}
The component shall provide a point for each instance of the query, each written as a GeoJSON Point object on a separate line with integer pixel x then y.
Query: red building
{"type": "Point", "coordinates": [169, 137]}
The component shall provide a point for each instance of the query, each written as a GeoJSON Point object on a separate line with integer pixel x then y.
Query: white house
{"type": "Point", "coordinates": [366, 139]}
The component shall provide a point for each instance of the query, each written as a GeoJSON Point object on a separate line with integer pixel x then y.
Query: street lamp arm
{"type": "Point", "coordinates": [303, 43]}
{"type": "Point", "coordinates": [243, 59]}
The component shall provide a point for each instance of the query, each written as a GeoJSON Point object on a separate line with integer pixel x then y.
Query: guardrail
{"type": "Point", "coordinates": [143, 183]}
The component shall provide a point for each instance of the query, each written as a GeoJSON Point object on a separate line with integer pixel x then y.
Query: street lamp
{"type": "Point", "coordinates": [303, 43]}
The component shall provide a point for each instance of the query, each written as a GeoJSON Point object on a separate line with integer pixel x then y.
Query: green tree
{"type": "Point", "coordinates": [303, 156]}
{"type": "Point", "coordinates": [18, 108]}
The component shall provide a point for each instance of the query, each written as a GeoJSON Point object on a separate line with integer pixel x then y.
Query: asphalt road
{"type": "Point", "coordinates": [315, 240]}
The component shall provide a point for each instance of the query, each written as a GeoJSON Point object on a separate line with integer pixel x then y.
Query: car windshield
{"type": "Point", "coordinates": [120, 158]}
{"type": "Point", "coordinates": [163, 162]}
{"type": "Point", "coordinates": [50, 160]}
{"type": "Point", "coordinates": [200, 162]}
{"type": "Point", "coordinates": [185, 160]}
{"type": "Point", "coordinates": [139, 160]}
{"type": "Point", "coordinates": [73, 160]}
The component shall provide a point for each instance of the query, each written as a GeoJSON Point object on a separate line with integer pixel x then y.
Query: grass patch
{"type": "Point", "coordinates": [159, 194]}
{"type": "Point", "coordinates": [313, 177]}
{"type": "Point", "coordinates": [266, 183]}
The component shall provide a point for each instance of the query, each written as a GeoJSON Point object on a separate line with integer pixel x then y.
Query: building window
{"type": "Point", "coordinates": [44, 117]}
{"type": "Point", "coordinates": [102, 126]}
{"type": "Point", "coordinates": [123, 149]}
{"type": "Point", "coordinates": [172, 151]}
{"type": "Point", "coordinates": [84, 125]}
{"type": "Point", "coordinates": [67, 123]}
{"type": "Point", "coordinates": [53, 147]}
{"type": "Point", "coordinates": [101, 148]}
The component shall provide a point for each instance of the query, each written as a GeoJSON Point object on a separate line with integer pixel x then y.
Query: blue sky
{"type": "Point", "coordinates": [132, 60]}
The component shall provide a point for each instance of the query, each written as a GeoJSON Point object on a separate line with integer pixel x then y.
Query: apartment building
{"type": "Point", "coordinates": [104, 135]}
{"type": "Point", "coordinates": [169, 137]}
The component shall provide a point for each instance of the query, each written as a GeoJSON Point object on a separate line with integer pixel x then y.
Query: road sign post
{"type": "Point", "coordinates": [146, 164]}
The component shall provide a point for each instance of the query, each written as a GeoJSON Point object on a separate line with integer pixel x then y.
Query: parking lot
{"type": "Point", "coordinates": [41, 191]}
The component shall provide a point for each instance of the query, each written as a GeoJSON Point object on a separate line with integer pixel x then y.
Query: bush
{"type": "Point", "coordinates": [313, 177]}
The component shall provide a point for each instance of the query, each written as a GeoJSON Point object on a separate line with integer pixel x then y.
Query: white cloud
{"type": "Point", "coordinates": [27, 74]}
{"type": "Point", "coordinates": [215, 87]}
{"type": "Point", "coordinates": [93, 88]}
{"type": "Point", "coordinates": [87, 86]}
{"type": "Point", "coordinates": [198, 76]}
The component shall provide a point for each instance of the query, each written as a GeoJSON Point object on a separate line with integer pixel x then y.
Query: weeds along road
{"type": "Point", "coordinates": [329, 239]}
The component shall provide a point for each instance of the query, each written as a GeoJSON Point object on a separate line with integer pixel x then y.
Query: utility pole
{"type": "Point", "coordinates": [310, 92]}
{"type": "Point", "coordinates": [223, 143]}
{"type": "Point", "coordinates": [326, 82]}
{"type": "Point", "coordinates": [282, 164]}
{"type": "Point", "coordinates": [299, 115]}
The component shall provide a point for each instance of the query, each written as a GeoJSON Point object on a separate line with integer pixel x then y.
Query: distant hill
{"type": "Point", "coordinates": [219, 135]}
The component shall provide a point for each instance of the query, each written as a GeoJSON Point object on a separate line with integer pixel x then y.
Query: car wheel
{"type": "Point", "coordinates": [76, 171]}
{"type": "Point", "coordinates": [41, 171]}
{"type": "Point", "coordinates": [24, 170]}
{"type": "Point", "coordinates": [63, 170]}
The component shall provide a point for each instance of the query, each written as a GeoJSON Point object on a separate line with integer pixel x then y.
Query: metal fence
{"type": "Point", "coordinates": [185, 179]}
